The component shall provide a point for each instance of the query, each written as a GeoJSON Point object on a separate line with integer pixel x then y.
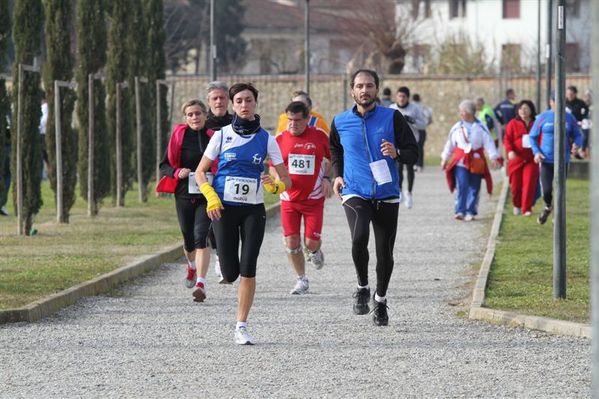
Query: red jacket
{"type": "Point", "coordinates": [458, 154]}
{"type": "Point", "coordinates": [512, 141]}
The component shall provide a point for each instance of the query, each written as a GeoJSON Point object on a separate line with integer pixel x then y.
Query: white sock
{"type": "Point", "coordinates": [242, 324]}
{"type": "Point", "coordinates": [191, 264]}
{"type": "Point", "coordinates": [201, 280]}
{"type": "Point", "coordinates": [360, 287]}
{"type": "Point", "coordinates": [379, 299]}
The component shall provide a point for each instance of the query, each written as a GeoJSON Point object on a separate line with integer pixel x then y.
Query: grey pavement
{"type": "Point", "coordinates": [148, 339]}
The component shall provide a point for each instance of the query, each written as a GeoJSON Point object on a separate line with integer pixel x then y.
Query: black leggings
{"type": "Point", "coordinates": [421, 140]}
{"type": "Point", "coordinates": [411, 175]}
{"type": "Point", "coordinates": [194, 222]}
{"type": "Point", "coordinates": [247, 223]}
{"type": "Point", "coordinates": [383, 215]}
{"type": "Point", "coordinates": [547, 182]}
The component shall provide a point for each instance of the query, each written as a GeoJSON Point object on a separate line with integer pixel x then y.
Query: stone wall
{"type": "Point", "coordinates": [330, 94]}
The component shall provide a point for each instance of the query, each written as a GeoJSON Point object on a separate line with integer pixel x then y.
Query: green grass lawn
{"type": "Point", "coordinates": [521, 277]}
{"type": "Point", "coordinates": [60, 256]}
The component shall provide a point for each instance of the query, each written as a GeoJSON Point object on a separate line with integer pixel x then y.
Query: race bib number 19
{"type": "Point", "coordinates": [240, 189]}
{"type": "Point", "coordinates": [301, 164]}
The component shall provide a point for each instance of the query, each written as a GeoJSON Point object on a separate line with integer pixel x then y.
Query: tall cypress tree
{"type": "Point", "coordinates": [59, 66]}
{"type": "Point", "coordinates": [91, 48]}
{"type": "Point", "coordinates": [138, 66]}
{"type": "Point", "coordinates": [4, 100]}
{"type": "Point", "coordinates": [156, 62]}
{"type": "Point", "coordinates": [28, 24]}
{"type": "Point", "coordinates": [118, 71]}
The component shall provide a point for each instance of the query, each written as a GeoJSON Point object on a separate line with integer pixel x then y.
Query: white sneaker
{"type": "Point", "coordinates": [243, 337]}
{"type": "Point", "coordinates": [4, 211]}
{"type": "Point", "coordinates": [317, 259]}
{"type": "Point", "coordinates": [517, 211]}
{"type": "Point", "coordinates": [468, 217]}
{"type": "Point", "coordinates": [301, 286]}
{"type": "Point", "coordinates": [409, 201]}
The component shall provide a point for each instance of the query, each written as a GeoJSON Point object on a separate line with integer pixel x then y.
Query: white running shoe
{"type": "Point", "coordinates": [409, 201]}
{"type": "Point", "coordinates": [468, 217]}
{"type": "Point", "coordinates": [302, 285]}
{"type": "Point", "coordinates": [190, 278]}
{"type": "Point", "coordinates": [517, 211]}
{"type": "Point", "coordinates": [243, 337]}
{"type": "Point", "coordinates": [317, 259]}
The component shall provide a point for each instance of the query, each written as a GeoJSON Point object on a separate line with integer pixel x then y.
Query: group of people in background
{"type": "Point", "coordinates": [218, 165]}
{"type": "Point", "coordinates": [528, 143]}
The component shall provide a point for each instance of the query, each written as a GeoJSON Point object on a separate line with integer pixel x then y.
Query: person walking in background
{"type": "Point", "coordinates": [186, 146]}
{"type": "Point", "coordinates": [579, 109]}
{"type": "Point", "coordinates": [305, 152]}
{"type": "Point", "coordinates": [542, 137]}
{"type": "Point", "coordinates": [235, 199]}
{"type": "Point", "coordinates": [505, 111]}
{"type": "Point", "coordinates": [464, 162]}
{"type": "Point", "coordinates": [42, 129]}
{"type": "Point", "coordinates": [428, 117]}
{"type": "Point", "coordinates": [218, 117]}
{"type": "Point", "coordinates": [416, 120]}
{"type": "Point", "coordinates": [315, 120]}
{"type": "Point", "coordinates": [521, 168]}
{"type": "Point", "coordinates": [386, 100]}
{"type": "Point", "coordinates": [486, 115]}
{"type": "Point", "coordinates": [366, 142]}
{"type": "Point", "coordinates": [5, 179]}
{"type": "Point", "coordinates": [587, 123]}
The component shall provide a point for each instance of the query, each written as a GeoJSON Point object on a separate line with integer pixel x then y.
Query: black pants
{"type": "Point", "coordinates": [547, 182]}
{"type": "Point", "coordinates": [383, 215]}
{"type": "Point", "coordinates": [421, 140]}
{"type": "Point", "coordinates": [194, 222]}
{"type": "Point", "coordinates": [410, 173]}
{"type": "Point", "coordinates": [245, 222]}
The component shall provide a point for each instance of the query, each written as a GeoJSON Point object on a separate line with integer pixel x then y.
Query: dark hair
{"type": "Point", "coordinates": [366, 71]}
{"type": "Point", "coordinates": [386, 91]}
{"type": "Point", "coordinates": [301, 93]}
{"type": "Point", "coordinates": [573, 89]}
{"type": "Point", "coordinates": [509, 91]}
{"type": "Point", "coordinates": [416, 97]}
{"type": "Point", "coordinates": [533, 110]}
{"type": "Point", "coordinates": [297, 106]}
{"type": "Point", "coordinates": [404, 90]}
{"type": "Point", "coordinates": [239, 87]}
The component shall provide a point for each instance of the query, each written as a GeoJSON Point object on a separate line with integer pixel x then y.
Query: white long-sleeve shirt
{"type": "Point", "coordinates": [469, 136]}
{"type": "Point", "coordinates": [413, 111]}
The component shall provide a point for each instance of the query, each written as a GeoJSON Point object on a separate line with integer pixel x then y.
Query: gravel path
{"type": "Point", "coordinates": [148, 339]}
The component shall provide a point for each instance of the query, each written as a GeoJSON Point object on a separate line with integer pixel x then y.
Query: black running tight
{"type": "Point", "coordinates": [410, 173]}
{"type": "Point", "coordinates": [383, 215]}
{"type": "Point", "coordinates": [194, 222]}
{"type": "Point", "coordinates": [239, 222]}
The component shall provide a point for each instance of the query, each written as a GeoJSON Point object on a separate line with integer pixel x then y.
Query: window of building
{"type": "Point", "coordinates": [457, 8]}
{"type": "Point", "coordinates": [573, 8]}
{"type": "Point", "coordinates": [572, 57]}
{"type": "Point", "coordinates": [421, 8]}
{"type": "Point", "coordinates": [511, 9]}
{"type": "Point", "coordinates": [510, 57]}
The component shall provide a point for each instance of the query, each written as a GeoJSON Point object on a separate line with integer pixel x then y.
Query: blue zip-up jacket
{"type": "Point", "coordinates": [544, 128]}
{"type": "Point", "coordinates": [356, 142]}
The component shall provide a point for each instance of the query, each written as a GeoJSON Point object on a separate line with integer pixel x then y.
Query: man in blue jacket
{"type": "Point", "coordinates": [541, 141]}
{"type": "Point", "coordinates": [366, 142]}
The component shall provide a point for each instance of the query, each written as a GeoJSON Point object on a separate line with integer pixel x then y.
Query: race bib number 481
{"type": "Point", "coordinates": [301, 164]}
{"type": "Point", "coordinates": [240, 189]}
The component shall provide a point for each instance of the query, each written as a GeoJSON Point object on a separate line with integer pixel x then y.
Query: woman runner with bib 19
{"type": "Point", "coordinates": [235, 199]}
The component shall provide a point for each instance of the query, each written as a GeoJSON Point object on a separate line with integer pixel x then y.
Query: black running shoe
{"type": "Point", "coordinates": [379, 313]}
{"type": "Point", "coordinates": [544, 215]}
{"type": "Point", "coordinates": [362, 296]}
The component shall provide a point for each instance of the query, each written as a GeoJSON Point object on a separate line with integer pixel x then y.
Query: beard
{"type": "Point", "coordinates": [365, 103]}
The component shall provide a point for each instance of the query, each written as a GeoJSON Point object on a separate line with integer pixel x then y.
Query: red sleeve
{"type": "Point", "coordinates": [508, 140]}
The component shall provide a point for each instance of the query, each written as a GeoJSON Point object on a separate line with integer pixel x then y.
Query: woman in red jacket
{"type": "Point", "coordinates": [185, 149]}
{"type": "Point", "coordinates": [522, 170]}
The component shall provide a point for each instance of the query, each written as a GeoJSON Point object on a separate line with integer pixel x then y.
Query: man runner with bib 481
{"type": "Point", "coordinates": [305, 151]}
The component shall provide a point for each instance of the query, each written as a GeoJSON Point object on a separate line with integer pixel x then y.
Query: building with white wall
{"type": "Point", "coordinates": [506, 28]}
